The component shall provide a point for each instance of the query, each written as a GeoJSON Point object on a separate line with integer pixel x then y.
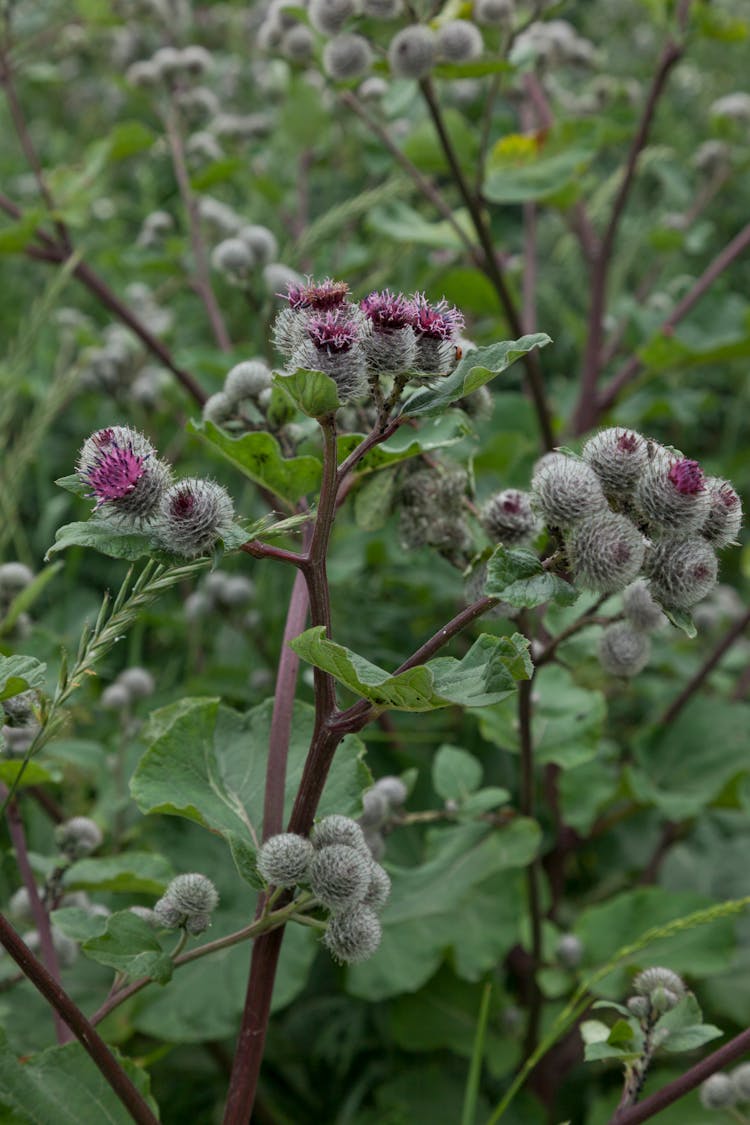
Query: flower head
{"type": "Point", "coordinates": [122, 469]}
{"type": "Point", "coordinates": [326, 294]}
{"type": "Point", "coordinates": [332, 331]}
{"type": "Point", "coordinates": [388, 311]}
{"type": "Point", "coordinates": [440, 321]}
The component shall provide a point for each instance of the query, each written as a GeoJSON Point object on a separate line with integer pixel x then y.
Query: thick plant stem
{"type": "Point", "coordinates": [491, 264]}
{"type": "Point", "coordinates": [91, 1042]}
{"type": "Point", "coordinates": [38, 912]}
{"type": "Point", "coordinates": [527, 805]}
{"type": "Point", "coordinates": [283, 706]}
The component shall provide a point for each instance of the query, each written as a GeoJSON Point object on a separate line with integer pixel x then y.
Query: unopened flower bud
{"type": "Point", "coordinates": [196, 60]}
{"type": "Point", "coordinates": [741, 1081]}
{"type": "Point", "coordinates": [682, 571]}
{"type": "Point", "coordinates": [618, 457]}
{"type": "Point", "coordinates": [78, 836]}
{"type": "Point", "coordinates": [283, 860]}
{"type": "Point", "coordinates": [639, 1006]}
{"type": "Point", "coordinates": [508, 517]}
{"type": "Point", "coordinates": [717, 1092]}
{"type": "Point", "coordinates": [237, 591]}
{"type": "Point", "coordinates": [393, 789]}
{"type": "Point", "coordinates": [347, 56]}
{"type": "Point", "coordinates": [623, 651]}
{"type": "Point", "coordinates": [329, 16]}
{"type": "Point", "coordinates": [569, 951]}
{"type": "Point", "coordinates": [218, 408]}
{"type": "Point", "coordinates": [298, 43]}
{"type": "Point", "coordinates": [649, 980]}
{"type": "Point", "coordinates": [197, 924]}
{"type": "Point", "coordinates": [382, 9]}
{"type": "Point", "coordinates": [260, 239]}
{"type": "Point", "coordinates": [724, 519]}
{"type": "Point", "coordinates": [459, 41]}
{"type": "Point", "coordinates": [379, 888]}
{"type": "Point", "coordinates": [193, 516]}
{"type": "Point", "coordinates": [197, 606]}
{"type": "Point", "coordinates": [354, 935]}
{"type": "Point", "coordinates": [566, 491]}
{"type": "Point", "coordinates": [188, 901]}
{"type": "Point", "coordinates": [340, 876]}
{"type": "Point", "coordinates": [375, 809]}
{"type": "Point", "coordinates": [234, 258]}
{"type": "Point", "coordinates": [337, 829]}
{"type": "Point", "coordinates": [247, 380]}
{"type": "Point", "coordinates": [14, 577]}
{"type": "Point", "coordinates": [138, 681]}
{"type": "Point", "coordinates": [412, 52]}
{"type": "Point", "coordinates": [167, 914]}
{"type": "Point", "coordinates": [116, 697]}
{"type": "Point", "coordinates": [640, 609]}
{"type": "Point", "coordinates": [494, 13]}
{"type": "Point", "coordinates": [605, 551]}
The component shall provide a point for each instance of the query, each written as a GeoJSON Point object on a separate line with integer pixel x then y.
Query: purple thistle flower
{"type": "Point", "coordinates": [687, 477]}
{"type": "Point", "coordinates": [326, 294]}
{"type": "Point", "coordinates": [728, 496]}
{"type": "Point", "coordinates": [388, 311]}
{"type": "Point", "coordinates": [115, 474]}
{"type": "Point", "coordinates": [628, 442]}
{"type": "Point", "coordinates": [125, 475]}
{"type": "Point", "coordinates": [332, 332]}
{"type": "Point", "coordinates": [438, 322]}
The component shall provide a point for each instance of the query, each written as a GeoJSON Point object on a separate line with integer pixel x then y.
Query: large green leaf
{"type": "Point", "coordinates": [258, 455]}
{"type": "Point", "coordinates": [130, 872]}
{"type": "Point", "coordinates": [208, 763]}
{"type": "Point", "coordinates": [517, 576]}
{"type": "Point", "coordinates": [460, 900]}
{"type": "Point", "coordinates": [130, 946]}
{"type": "Point", "coordinates": [486, 674]}
{"type": "Point", "coordinates": [312, 392]}
{"type": "Point", "coordinates": [509, 182]}
{"type": "Point", "coordinates": [473, 371]}
{"type": "Point", "coordinates": [132, 545]}
{"type": "Point", "coordinates": [19, 674]}
{"type": "Point", "coordinates": [567, 720]}
{"type": "Point", "coordinates": [682, 768]}
{"type": "Point", "coordinates": [62, 1085]}
{"type": "Point", "coordinates": [455, 773]}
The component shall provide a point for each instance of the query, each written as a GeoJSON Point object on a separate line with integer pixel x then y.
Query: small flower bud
{"type": "Point", "coordinates": [623, 651]}
{"type": "Point", "coordinates": [494, 13]}
{"type": "Point", "coordinates": [649, 980]}
{"type": "Point", "coordinates": [663, 1000]}
{"type": "Point", "coordinates": [412, 52]}
{"type": "Point", "coordinates": [717, 1092]}
{"type": "Point", "coordinates": [78, 836]}
{"type": "Point", "coordinates": [237, 591]}
{"type": "Point", "coordinates": [639, 1006]}
{"type": "Point", "coordinates": [261, 240]}
{"type": "Point", "coordinates": [375, 843]}
{"type": "Point", "coordinates": [566, 490]}
{"type": "Point", "coordinates": [196, 60]}
{"type": "Point", "coordinates": [197, 924]}
{"type": "Point", "coordinates": [283, 860]}
{"type": "Point", "coordinates": [605, 551]}
{"type": "Point", "coordinates": [724, 519]}
{"type": "Point", "coordinates": [168, 61]}
{"type": "Point", "coordinates": [193, 515]}
{"type": "Point", "coordinates": [640, 609]}
{"type": "Point", "coordinates": [437, 328]}
{"type": "Point", "coordinates": [218, 409]}
{"type": "Point", "coordinates": [138, 681]}
{"type": "Point", "coordinates": [375, 809]}
{"type": "Point", "coordinates": [682, 571]}
{"type": "Point", "coordinates": [618, 457]}
{"type": "Point", "coordinates": [338, 830]}
{"type": "Point", "coordinates": [167, 914]}
{"type": "Point", "coordinates": [297, 44]}
{"type": "Point", "coordinates": [247, 380]}
{"type": "Point", "coordinates": [347, 56]}
{"type": "Point", "coordinates": [14, 577]}
{"type": "Point", "coordinates": [671, 495]}
{"type": "Point", "coordinates": [379, 888]}
{"type": "Point", "coordinates": [741, 1081]}
{"type": "Point", "coordinates": [354, 935]}
{"type": "Point", "coordinates": [393, 789]}
{"type": "Point", "coordinates": [459, 41]}
{"type": "Point", "coordinates": [508, 518]}
{"type": "Point", "coordinates": [197, 606]}
{"type": "Point", "coordinates": [234, 258]}
{"type": "Point", "coordinates": [340, 876]}
{"type": "Point", "coordinates": [116, 697]}
{"type": "Point", "coordinates": [188, 901]}
{"type": "Point", "coordinates": [329, 16]}
{"type": "Point", "coordinates": [143, 74]}
{"type": "Point", "coordinates": [277, 275]}
{"type": "Point", "coordinates": [569, 951]}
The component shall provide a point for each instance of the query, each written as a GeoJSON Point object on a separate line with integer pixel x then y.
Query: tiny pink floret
{"type": "Point", "coordinates": [687, 477]}
{"type": "Point", "coordinates": [116, 472]}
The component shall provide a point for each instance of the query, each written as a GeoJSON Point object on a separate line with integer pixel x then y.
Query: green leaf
{"type": "Point", "coordinates": [15, 237]}
{"type": "Point", "coordinates": [486, 673]}
{"type": "Point", "coordinates": [461, 900]}
{"type": "Point", "coordinates": [118, 544]}
{"type": "Point", "coordinates": [621, 1034]}
{"type": "Point", "coordinates": [373, 501]}
{"type": "Point", "coordinates": [129, 945]}
{"type": "Point", "coordinates": [34, 774]}
{"type": "Point", "coordinates": [128, 138]}
{"type": "Point", "coordinates": [130, 872]}
{"type": "Point", "coordinates": [258, 456]}
{"type": "Point", "coordinates": [689, 1038]}
{"type": "Point", "coordinates": [312, 392]}
{"type": "Point", "coordinates": [78, 924]}
{"type": "Point", "coordinates": [433, 433]}
{"type": "Point", "coordinates": [208, 763]}
{"type": "Point", "coordinates": [682, 619]}
{"type": "Point", "coordinates": [19, 674]}
{"type": "Point", "coordinates": [566, 725]}
{"type": "Point", "coordinates": [473, 371]}
{"type": "Point", "coordinates": [455, 773]}
{"type": "Point", "coordinates": [403, 224]}
{"type": "Point", "coordinates": [64, 1085]}
{"type": "Point", "coordinates": [510, 182]}
{"type": "Point", "coordinates": [684, 767]}
{"type": "Point", "coordinates": [517, 576]}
